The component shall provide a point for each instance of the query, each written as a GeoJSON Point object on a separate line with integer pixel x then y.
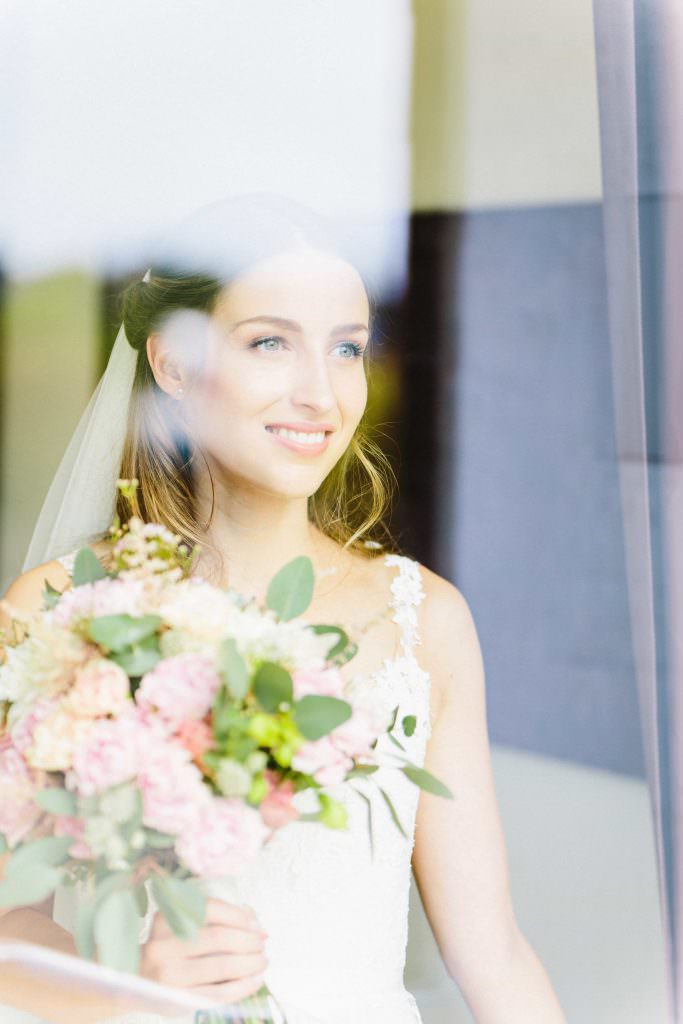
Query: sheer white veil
{"type": "Point", "coordinates": [80, 503]}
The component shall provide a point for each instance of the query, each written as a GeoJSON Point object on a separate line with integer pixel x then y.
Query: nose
{"type": "Point", "coordinates": [312, 385]}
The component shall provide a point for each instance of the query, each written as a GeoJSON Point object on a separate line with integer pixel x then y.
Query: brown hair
{"type": "Point", "coordinates": [198, 258]}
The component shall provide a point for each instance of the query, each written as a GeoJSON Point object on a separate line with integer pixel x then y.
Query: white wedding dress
{"type": "Point", "coordinates": [336, 918]}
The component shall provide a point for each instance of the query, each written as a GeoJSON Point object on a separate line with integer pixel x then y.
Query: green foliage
{"type": "Point", "coordinates": [342, 639]}
{"type": "Point", "coordinates": [396, 742]}
{"type": "Point", "coordinates": [232, 669]}
{"type": "Point", "coordinates": [368, 802]}
{"type": "Point", "coordinates": [52, 850]}
{"type": "Point", "coordinates": [158, 840]}
{"type": "Point", "coordinates": [139, 658]}
{"type": "Point", "coordinates": [182, 902]}
{"type": "Point", "coordinates": [56, 801]}
{"type": "Point", "coordinates": [333, 813]}
{"type": "Point", "coordinates": [272, 686]}
{"type": "Point", "coordinates": [291, 589]}
{"type": "Point", "coordinates": [362, 770]}
{"type": "Point", "coordinates": [116, 928]}
{"type": "Point", "coordinates": [117, 632]}
{"type": "Point", "coordinates": [316, 715]}
{"type": "Point", "coordinates": [84, 929]}
{"type": "Point", "coordinates": [409, 723]}
{"type": "Point", "coordinates": [31, 883]}
{"type": "Point", "coordinates": [50, 595]}
{"type": "Point", "coordinates": [392, 811]}
{"type": "Point", "coordinates": [87, 568]}
{"type": "Point", "coordinates": [425, 780]}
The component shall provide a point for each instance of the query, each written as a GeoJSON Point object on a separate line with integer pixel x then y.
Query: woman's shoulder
{"type": "Point", "coordinates": [25, 592]}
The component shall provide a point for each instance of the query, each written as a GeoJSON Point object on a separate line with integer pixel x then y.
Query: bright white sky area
{"type": "Point", "coordinates": [120, 116]}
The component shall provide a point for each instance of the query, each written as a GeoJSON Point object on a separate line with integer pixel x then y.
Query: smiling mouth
{"type": "Point", "coordinates": [303, 437]}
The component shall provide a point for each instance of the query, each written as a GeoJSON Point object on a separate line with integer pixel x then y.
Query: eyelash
{"type": "Point", "coordinates": [356, 348]}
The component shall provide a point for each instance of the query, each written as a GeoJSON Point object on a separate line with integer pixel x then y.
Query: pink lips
{"type": "Point", "coordinates": [304, 425]}
{"type": "Point", "coordinates": [298, 446]}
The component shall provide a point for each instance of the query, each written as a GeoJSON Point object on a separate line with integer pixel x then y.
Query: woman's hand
{"type": "Point", "coordinates": [225, 962]}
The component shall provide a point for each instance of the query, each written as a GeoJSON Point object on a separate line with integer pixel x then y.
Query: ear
{"type": "Point", "coordinates": [164, 364]}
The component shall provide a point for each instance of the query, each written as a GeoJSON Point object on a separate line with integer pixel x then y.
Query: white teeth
{"type": "Point", "coordinates": [300, 436]}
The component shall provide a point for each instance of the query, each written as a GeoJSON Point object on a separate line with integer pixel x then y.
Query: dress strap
{"type": "Point", "coordinates": [406, 594]}
{"type": "Point", "coordinates": [68, 561]}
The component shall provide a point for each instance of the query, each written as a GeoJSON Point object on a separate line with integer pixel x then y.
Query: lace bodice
{"type": "Point", "coordinates": [334, 905]}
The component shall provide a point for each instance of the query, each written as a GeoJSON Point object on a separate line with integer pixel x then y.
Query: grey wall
{"type": "Point", "coordinates": [535, 522]}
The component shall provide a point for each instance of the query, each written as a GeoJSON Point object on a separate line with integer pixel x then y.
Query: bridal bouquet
{"type": "Point", "coordinates": [155, 729]}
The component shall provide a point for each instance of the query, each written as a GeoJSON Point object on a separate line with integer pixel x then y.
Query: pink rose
{"type": "Point", "coordinates": [111, 754]}
{"type": "Point", "coordinates": [101, 688]}
{"type": "Point", "coordinates": [179, 688]}
{"type": "Point", "coordinates": [23, 729]}
{"type": "Point", "coordinates": [173, 790]}
{"type": "Point", "coordinates": [18, 786]}
{"type": "Point", "coordinates": [225, 839]}
{"type": "Point", "coordinates": [356, 734]}
{"type": "Point", "coordinates": [197, 737]}
{"type": "Point", "coordinates": [324, 682]}
{"type": "Point", "coordinates": [323, 760]}
{"type": "Point", "coordinates": [56, 740]}
{"type": "Point", "coordinates": [103, 597]}
{"type": "Point", "coordinates": [276, 807]}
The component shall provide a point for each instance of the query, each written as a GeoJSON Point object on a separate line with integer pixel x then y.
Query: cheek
{"type": "Point", "coordinates": [235, 386]}
{"type": "Point", "coordinates": [353, 398]}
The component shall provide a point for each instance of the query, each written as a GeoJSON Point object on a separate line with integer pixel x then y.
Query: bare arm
{"type": "Point", "coordinates": [459, 859]}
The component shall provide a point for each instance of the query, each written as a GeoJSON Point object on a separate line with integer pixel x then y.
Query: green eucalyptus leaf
{"type": "Point", "coordinates": [57, 801]}
{"type": "Point", "coordinates": [392, 811]}
{"type": "Point", "coordinates": [316, 715]}
{"type": "Point", "coordinates": [122, 803]}
{"type": "Point", "coordinates": [31, 884]}
{"type": "Point", "coordinates": [50, 595]}
{"type": "Point", "coordinates": [409, 723]}
{"type": "Point", "coordinates": [425, 780]}
{"type": "Point", "coordinates": [159, 840]}
{"type": "Point", "coordinates": [116, 632]}
{"type": "Point", "coordinates": [116, 930]}
{"type": "Point", "coordinates": [139, 658]}
{"type": "Point", "coordinates": [396, 742]}
{"type": "Point", "coordinates": [141, 898]}
{"type": "Point", "coordinates": [342, 638]}
{"type": "Point", "coordinates": [182, 902]}
{"type": "Point", "coordinates": [48, 850]}
{"type": "Point", "coordinates": [291, 589]}
{"type": "Point", "coordinates": [87, 568]}
{"type": "Point", "coordinates": [84, 929]}
{"type": "Point", "coordinates": [111, 882]}
{"type": "Point", "coordinates": [362, 770]}
{"type": "Point", "coordinates": [368, 801]}
{"type": "Point", "coordinates": [4, 845]}
{"type": "Point", "coordinates": [393, 719]}
{"type": "Point", "coordinates": [349, 652]}
{"type": "Point", "coordinates": [272, 686]}
{"type": "Point", "coordinates": [232, 669]}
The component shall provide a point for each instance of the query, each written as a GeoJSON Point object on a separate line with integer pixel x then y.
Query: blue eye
{"type": "Point", "coordinates": [260, 341]}
{"type": "Point", "coordinates": [355, 349]}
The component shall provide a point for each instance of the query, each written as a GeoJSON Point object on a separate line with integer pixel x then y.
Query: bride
{"type": "Point", "coordinates": [236, 397]}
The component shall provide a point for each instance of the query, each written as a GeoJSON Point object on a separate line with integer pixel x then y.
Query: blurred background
{"type": "Point", "coordinates": [468, 145]}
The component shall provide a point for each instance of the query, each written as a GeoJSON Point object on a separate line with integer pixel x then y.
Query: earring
{"type": "Point", "coordinates": [180, 391]}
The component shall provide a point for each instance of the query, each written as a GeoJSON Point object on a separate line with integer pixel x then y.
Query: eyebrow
{"type": "Point", "coordinates": [292, 325]}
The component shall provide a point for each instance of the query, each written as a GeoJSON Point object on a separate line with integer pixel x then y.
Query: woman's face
{"type": "Point", "coordinates": [283, 386]}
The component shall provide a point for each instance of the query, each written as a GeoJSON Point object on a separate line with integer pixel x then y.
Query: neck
{"type": "Point", "coordinates": [254, 534]}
